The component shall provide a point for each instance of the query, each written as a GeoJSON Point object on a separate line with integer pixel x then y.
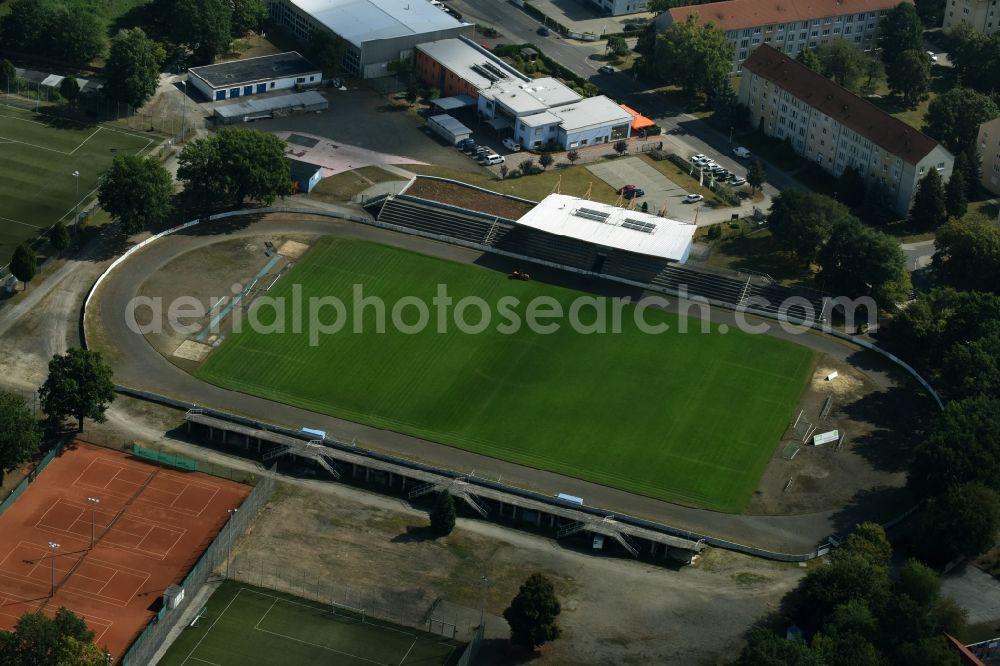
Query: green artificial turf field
{"type": "Point", "coordinates": [38, 155]}
{"type": "Point", "coordinates": [690, 418]}
{"type": "Point", "coordinates": [249, 626]}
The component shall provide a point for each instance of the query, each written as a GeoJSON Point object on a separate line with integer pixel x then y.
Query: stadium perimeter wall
{"type": "Point", "coordinates": [451, 474]}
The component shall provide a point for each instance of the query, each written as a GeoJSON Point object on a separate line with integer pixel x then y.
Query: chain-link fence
{"type": "Point", "coordinates": [26, 481]}
{"type": "Point", "coordinates": [142, 650]}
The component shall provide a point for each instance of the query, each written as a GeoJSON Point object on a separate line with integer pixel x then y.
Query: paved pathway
{"type": "Point", "coordinates": [140, 366]}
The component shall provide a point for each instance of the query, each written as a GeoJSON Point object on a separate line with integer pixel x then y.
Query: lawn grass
{"type": "Point", "coordinates": [575, 181]}
{"type": "Point", "coordinates": [38, 155]}
{"type": "Point", "coordinates": [689, 418]}
{"type": "Point", "coordinates": [942, 80]}
{"type": "Point", "coordinates": [759, 251]}
{"type": "Point", "coordinates": [346, 185]}
{"type": "Point", "coordinates": [251, 626]}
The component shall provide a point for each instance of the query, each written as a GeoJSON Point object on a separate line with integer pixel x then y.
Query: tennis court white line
{"type": "Point", "coordinates": [85, 141]}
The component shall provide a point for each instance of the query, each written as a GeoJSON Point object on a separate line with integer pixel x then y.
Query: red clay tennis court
{"type": "Point", "coordinates": [149, 524]}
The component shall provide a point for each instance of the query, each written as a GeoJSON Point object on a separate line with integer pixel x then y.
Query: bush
{"type": "Point", "coordinates": [516, 173]}
{"type": "Point", "coordinates": [714, 232]}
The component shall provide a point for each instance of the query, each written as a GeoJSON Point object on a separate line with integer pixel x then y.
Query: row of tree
{"type": "Point", "coordinates": [852, 612]}
{"type": "Point", "coordinates": [976, 58]}
{"type": "Point", "coordinates": [855, 260]}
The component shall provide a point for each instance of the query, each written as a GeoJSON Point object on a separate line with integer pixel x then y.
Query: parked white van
{"type": "Point", "coordinates": [492, 159]}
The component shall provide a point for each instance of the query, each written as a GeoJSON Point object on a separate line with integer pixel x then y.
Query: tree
{"type": "Point", "coordinates": [238, 162]}
{"type": "Point", "coordinates": [859, 261]}
{"type": "Point", "coordinates": [443, 514]}
{"type": "Point", "coordinates": [573, 155]}
{"type": "Point", "coordinates": [962, 522]}
{"type": "Point", "coordinates": [327, 51]}
{"type": "Point", "coordinates": [851, 187]}
{"type": "Point", "coordinates": [842, 61]}
{"type": "Point", "coordinates": [869, 541]}
{"type": "Point", "coordinates": [900, 30]}
{"type": "Point", "coordinates": [801, 221]}
{"type": "Point", "coordinates": [24, 263]}
{"type": "Point", "coordinates": [545, 160]}
{"type": "Point", "coordinates": [59, 237]}
{"type": "Point", "coordinates": [20, 435]}
{"type": "Point", "coordinates": [968, 252]}
{"type": "Point", "coordinates": [136, 191]}
{"type": "Point", "coordinates": [204, 25]}
{"type": "Point", "coordinates": [693, 56]}
{"type": "Point", "coordinates": [931, 12]}
{"type": "Point", "coordinates": [411, 92]}
{"type": "Point", "coordinates": [845, 650]}
{"type": "Point", "coordinates": [929, 209]}
{"type": "Point", "coordinates": [919, 582]}
{"type": "Point", "coordinates": [930, 651]}
{"type": "Point", "coordinates": [8, 74]}
{"type": "Point", "coordinates": [766, 648]}
{"type": "Point", "coordinates": [955, 201]}
{"type": "Point", "coordinates": [526, 166]}
{"type": "Point", "coordinates": [63, 641]}
{"type": "Point", "coordinates": [25, 25]}
{"type": "Point", "coordinates": [504, 170]}
{"type": "Point", "coordinates": [874, 71]}
{"type": "Point", "coordinates": [961, 447]}
{"type": "Point", "coordinates": [532, 613]}
{"type": "Point", "coordinates": [976, 58]}
{"type": "Point", "coordinates": [618, 46]}
{"type": "Point", "coordinates": [810, 59]}
{"type": "Point", "coordinates": [954, 118]}
{"type": "Point", "coordinates": [74, 33]}
{"type": "Point", "coordinates": [80, 385]}
{"type": "Point", "coordinates": [248, 16]}
{"type": "Point", "coordinates": [909, 75]}
{"type": "Point", "coordinates": [621, 147]}
{"type": "Point", "coordinates": [69, 88]}
{"type": "Point", "coordinates": [756, 175]}
{"type": "Point", "coordinates": [132, 71]}
{"type": "Point", "coordinates": [967, 167]}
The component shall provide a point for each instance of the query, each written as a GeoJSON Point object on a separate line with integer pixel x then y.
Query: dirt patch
{"type": "Point", "coordinates": [213, 275]}
{"type": "Point", "coordinates": [468, 197]}
{"type": "Point", "coordinates": [363, 550]}
{"type": "Point", "coordinates": [825, 477]}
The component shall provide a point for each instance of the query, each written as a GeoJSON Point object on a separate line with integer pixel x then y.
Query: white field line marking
{"type": "Point", "coordinates": [25, 143]}
{"type": "Point", "coordinates": [321, 647]}
{"type": "Point", "coordinates": [211, 626]}
{"type": "Point", "coordinates": [8, 219]}
{"type": "Point", "coordinates": [266, 612]}
{"type": "Point", "coordinates": [408, 652]}
{"type": "Point", "coordinates": [204, 661]}
{"type": "Point", "coordinates": [80, 145]}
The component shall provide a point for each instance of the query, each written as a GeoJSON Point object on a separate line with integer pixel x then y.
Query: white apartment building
{"type": "Point", "coordinates": [787, 25]}
{"type": "Point", "coordinates": [980, 14]}
{"type": "Point", "coordinates": [835, 128]}
{"type": "Point", "coordinates": [988, 147]}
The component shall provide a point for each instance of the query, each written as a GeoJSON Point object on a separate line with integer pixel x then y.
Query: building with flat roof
{"type": "Point", "coordinates": [835, 128]}
{"type": "Point", "coordinates": [461, 67]}
{"type": "Point", "coordinates": [988, 147]}
{"type": "Point", "coordinates": [621, 7]}
{"type": "Point", "coordinates": [254, 76]}
{"type": "Point", "coordinates": [612, 227]}
{"type": "Point", "coordinates": [787, 25]}
{"type": "Point", "coordinates": [248, 110]}
{"type": "Point", "coordinates": [980, 14]}
{"type": "Point", "coordinates": [377, 32]}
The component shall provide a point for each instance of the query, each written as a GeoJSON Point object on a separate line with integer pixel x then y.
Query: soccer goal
{"type": "Point", "coordinates": [198, 616]}
{"type": "Point", "coordinates": [348, 612]}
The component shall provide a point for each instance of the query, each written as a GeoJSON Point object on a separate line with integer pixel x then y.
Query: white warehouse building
{"type": "Point", "coordinates": [254, 76]}
{"type": "Point", "coordinates": [377, 32]}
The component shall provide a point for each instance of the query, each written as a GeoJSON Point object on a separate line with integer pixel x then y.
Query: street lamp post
{"type": "Point", "coordinates": [731, 128]}
{"type": "Point", "coordinates": [229, 539]}
{"type": "Point", "coordinates": [93, 519]}
{"type": "Point", "coordinates": [76, 199]}
{"type": "Point", "coordinates": [53, 546]}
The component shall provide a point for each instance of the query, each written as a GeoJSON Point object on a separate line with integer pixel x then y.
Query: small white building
{"type": "Point", "coordinates": [254, 76]}
{"type": "Point", "coordinates": [612, 227]}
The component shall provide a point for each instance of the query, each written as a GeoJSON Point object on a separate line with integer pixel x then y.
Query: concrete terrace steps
{"type": "Point", "coordinates": [467, 226]}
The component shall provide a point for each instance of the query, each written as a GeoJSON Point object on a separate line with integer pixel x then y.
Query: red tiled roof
{"type": "Point", "coordinates": [860, 115]}
{"type": "Point", "coordinates": [739, 14]}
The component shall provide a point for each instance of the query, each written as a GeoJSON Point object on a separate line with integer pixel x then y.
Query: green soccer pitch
{"type": "Point", "coordinates": [248, 626]}
{"type": "Point", "coordinates": [691, 418]}
{"type": "Point", "coordinates": [38, 155]}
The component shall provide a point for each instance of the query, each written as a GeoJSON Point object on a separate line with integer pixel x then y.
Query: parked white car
{"type": "Point", "coordinates": [492, 159]}
{"type": "Point", "coordinates": [693, 198]}
{"type": "Point", "coordinates": [511, 145]}
{"type": "Point", "coordinates": [740, 151]}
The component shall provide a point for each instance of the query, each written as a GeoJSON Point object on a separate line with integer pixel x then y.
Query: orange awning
{"type": "Point", "coordinates": [639, 121]}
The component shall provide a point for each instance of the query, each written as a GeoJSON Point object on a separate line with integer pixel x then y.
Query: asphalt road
{"type": "Point", "coordinates": [139, 365]}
